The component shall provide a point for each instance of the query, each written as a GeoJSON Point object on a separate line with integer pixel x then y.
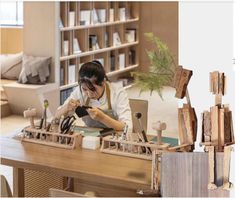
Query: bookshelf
{"type": "Point", "coordinates": [106, 31]}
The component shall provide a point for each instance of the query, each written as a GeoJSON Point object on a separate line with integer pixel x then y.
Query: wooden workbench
{"type": "Point", "coordinates": [109, 175]}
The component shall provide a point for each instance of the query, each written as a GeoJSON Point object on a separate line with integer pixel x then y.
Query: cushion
{"type": "Point", "coordinates": [11, 65]}
{"type": "Point", "coordinates": [35, 70]}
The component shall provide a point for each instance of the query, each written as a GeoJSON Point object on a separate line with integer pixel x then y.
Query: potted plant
{"type": "Point", "coordinates": [162, 68]}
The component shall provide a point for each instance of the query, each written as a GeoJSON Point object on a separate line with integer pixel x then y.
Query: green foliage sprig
{"type": "Point", "coordinates": [162, 68]}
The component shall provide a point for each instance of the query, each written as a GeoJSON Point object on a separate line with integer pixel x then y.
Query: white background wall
{"type": "Point", "coordinates": [205, 45]}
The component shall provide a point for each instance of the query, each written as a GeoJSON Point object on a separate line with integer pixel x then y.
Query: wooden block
{"type": "Point", "coordinates": [214, 82]}
{"type": "Point", "coordinates": [226, 170]}
{"type": "Point", "coordinates": [211, 160]}
{"type": "Point", "coordinates": [221, 83]}
{"type": "Point", "coordinates": [215, 125]}
{"type": "Point", "coordinates": [194, 123]}
{"type": "Point", "coordinates": [221, 129]}
{"type": "Point", "coordinates": [211, 82]}
{"type": "Point", "coordinates": [177, 76]}
{"type": "Point", "coordinates": [188, 125]}
{"type": "Point", "coordinates": [206, 123]}
{"type": "Point", "coordinates": [184, 80]}
{"type": "Point", "coordinates": [181, 127]}
{"type": "Point", "coordinates": [186, 174]}
{"type": "Point", "coordinates": [227, 127]}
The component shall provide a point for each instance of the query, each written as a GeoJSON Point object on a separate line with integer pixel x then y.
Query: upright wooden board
{"type": "Point", "coordinates": [206, 126]}
{"type": "Point", "coordinates": [215, 125]}
{"type": "Point", "coordinates": [188, 124]}
{"type": "Point", "coordinates": [182, 81]}
{"type": "Point", "coordinates": [186, 174]}
{"type": "Point", "coordinates": [181, 127]}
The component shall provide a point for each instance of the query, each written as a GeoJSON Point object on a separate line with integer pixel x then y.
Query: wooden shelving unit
{"type": "Point", "coordinates": [95, 26]}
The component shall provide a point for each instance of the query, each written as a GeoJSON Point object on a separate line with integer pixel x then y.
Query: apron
{"type": "Point", "coordinates": [94, 123]}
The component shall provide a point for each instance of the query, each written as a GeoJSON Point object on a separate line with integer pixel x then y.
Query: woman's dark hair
{"type": "Point", "coordinates": [92, 73]}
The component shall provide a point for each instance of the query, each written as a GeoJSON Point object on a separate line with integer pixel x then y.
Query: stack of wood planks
{"type": "Point", "coordinates": [217, 127]}
{"type": "Point", "coordinates": [187, 119]}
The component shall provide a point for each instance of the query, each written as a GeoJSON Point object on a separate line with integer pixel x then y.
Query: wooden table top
{"type": "Point", "coordinates": [79, 163]}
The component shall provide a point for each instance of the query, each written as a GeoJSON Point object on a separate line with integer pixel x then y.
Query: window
{"type": "Point", "coordinates": [11, 13]}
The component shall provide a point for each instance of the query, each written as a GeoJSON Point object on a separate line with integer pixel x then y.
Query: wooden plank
{"type": "Point", "coordinates": [194, 123]}
{"type": "Point", "coordinates": [214, 82]}
{"type": "Point", "coordinates": [206, 123]}
{"type": "Point", "coordinates": [188, 124]}
{"type": "Point", "coordinates": [214, 125]}
{"type": "Point", "coordinates": [222, 83]}
{"type": "Point", "coordinates": [211, 160]}
{"type": "Point", "coordinates": [227, 126]}
{"type": "Point", "coordinates": [186, 174]}
{"type": "Point", "coordinates": [226, 170]}
{"type": "Point", "coordinates": [184, 80]}
{"type": "Point", "coordinates": [181, 127]}
{"type": "Point", "coordinates": [221, 129]}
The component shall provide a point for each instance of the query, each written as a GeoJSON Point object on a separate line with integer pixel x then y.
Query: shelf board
{"type": "Point", "coordinates": [98, 25]}
{"type": "Point", "coordinates": [63, 87]}
{"type": "Point", "coordinates": [62, 58]}
{"type": "Point", "coordinates": [110, 74]}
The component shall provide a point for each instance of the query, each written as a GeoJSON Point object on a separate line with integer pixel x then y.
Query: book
{"type": "Point", "coordinates": [131, 57]}
{"type": "Point", "coordinates": [101, 15]}
{"type": "Point", "coordinates": [122, 14]}
{"type": "Point", "coordinates": [66, 48]}
{"type": "Point", "coordinates": [106, 39]}
{"type": "Point", "coordinates": [95, 19]}
{"type": "Point", "coordinates": [111, 15]}
{"type": "Point", "coordinates": [112, 63]}
{"type": "Point", "coordinates": [130, 35]}
{"type": "Point", "coordinates": [71, 74]}
{"type": "Point", "coordinates": [76, 47]}
{"type": "Point", "coordinates": [116, 39]}
{"type": "Point", "coordinates": [62, 76]}
{"type": "Point", "coordinates": [85, 17]}
{"type": "Point", "coordinates": [93, 42]}
{"type": "Point", "coordinates": [71, 18]}
{"type": "Point", "coordinates": [121, 60]}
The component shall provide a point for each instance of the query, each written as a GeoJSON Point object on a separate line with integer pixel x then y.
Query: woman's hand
{"type": "Point", "coordinates": [96, 114]}
{"type": "Point", "coordinates": [73, 104]}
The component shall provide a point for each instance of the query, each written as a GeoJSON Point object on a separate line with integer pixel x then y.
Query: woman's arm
{"type": "Point", "coordinates": [97, 114]}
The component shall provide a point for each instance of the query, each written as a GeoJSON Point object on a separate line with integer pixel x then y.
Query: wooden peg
{"type": "Point", "coordinates": [30, 113]}
{"type": "Point", "coordinates": [159, 127]}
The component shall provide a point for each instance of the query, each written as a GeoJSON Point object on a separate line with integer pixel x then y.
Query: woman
{"type": "Point", "coordinates": [110, 105]}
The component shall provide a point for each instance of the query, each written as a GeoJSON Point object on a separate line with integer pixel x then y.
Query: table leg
{"type": "Point", "coordinates": [18, 182]}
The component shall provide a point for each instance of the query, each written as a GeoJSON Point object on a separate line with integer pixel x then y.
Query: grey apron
{"type": "Point", "coordinates": [94, 123]}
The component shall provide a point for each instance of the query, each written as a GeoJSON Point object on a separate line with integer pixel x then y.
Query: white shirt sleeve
{"type": "Point", "coordinates": [120, 105]}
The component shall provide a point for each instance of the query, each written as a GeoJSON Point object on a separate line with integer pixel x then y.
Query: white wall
{"type": "Point", "coordinates": [205, 45]}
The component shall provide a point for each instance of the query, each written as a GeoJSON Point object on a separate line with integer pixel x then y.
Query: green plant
{"type": "Point", "coordinates": [162, 68]}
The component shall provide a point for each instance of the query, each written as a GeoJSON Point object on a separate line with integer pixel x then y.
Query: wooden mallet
{"type": "Point", "coordinates": [30, 113]}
